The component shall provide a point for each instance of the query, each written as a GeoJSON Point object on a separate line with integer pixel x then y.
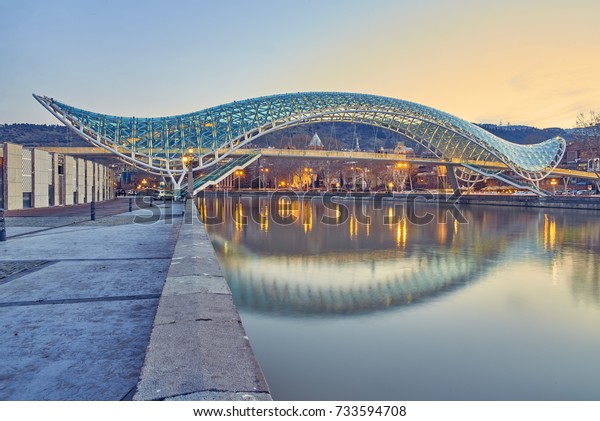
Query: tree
{"type": "Point", "coordinates": [588, 134]}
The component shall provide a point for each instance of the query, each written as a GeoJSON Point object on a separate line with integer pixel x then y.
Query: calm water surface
{"type": "Point", "coordinates": [353, 301]}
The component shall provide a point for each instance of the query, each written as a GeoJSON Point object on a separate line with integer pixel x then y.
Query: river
{"type": "Point", "coordinates": [350, 299]}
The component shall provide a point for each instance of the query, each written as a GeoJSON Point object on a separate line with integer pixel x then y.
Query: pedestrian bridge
{"type": "Point", "coordinates": [160, 145]}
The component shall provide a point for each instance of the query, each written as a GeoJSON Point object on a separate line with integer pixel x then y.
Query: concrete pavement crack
{"type": "Point", "coordinates": [81, 300]}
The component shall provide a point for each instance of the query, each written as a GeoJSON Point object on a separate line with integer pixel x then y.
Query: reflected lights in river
{"type": "Point", "coordinates": [442, 233]}
{"type": "Point", "coordinates": [264, 218]}
{"type": "Point", "coordinates": [215, 205]}
{"type": "Point", "coordinates": [549, 232]}
{"type": "Point", "coordinates": [239, 218]}
{"type": "Point", "coordinates": [284, 207]}
{"type": "Point", "coordinates": [307, 217]}
{"type": "Point", "coordinates": [353, 225]}
{"type": "Point", "coordinates": [401, 233]}
{"type": "Point", "coordinates": [442, 308]}
{"type": "Point", "coordinates": [342, 268]}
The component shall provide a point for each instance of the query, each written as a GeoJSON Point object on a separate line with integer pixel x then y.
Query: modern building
{"type": "Point", "coordinates": [35, 178]}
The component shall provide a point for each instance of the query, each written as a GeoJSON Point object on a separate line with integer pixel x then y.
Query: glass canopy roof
{"type": "Point", "coordinates": [159, 143]}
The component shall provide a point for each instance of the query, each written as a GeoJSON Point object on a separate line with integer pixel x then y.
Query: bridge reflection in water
{"type": "Point", "coordinates": [361, 259]}
{"type": "Point", "coordinates": [355, 266]}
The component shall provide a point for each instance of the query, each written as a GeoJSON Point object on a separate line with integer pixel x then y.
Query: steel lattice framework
{"type": "Point", "coordinates": [158, 144]}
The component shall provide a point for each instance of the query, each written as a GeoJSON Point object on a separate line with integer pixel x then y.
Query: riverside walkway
{"type": "Point", "coordinates": [129, 306]}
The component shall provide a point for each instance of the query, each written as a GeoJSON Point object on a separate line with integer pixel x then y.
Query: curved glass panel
{"type": "Point", "coordinates": [236, 123]}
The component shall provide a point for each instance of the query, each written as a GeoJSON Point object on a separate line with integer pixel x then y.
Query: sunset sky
{"type": "Point", "coordinates": [511, 61]}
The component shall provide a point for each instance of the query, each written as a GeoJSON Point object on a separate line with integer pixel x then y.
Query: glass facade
{"type": "Point", "coordinates": [159, 143]}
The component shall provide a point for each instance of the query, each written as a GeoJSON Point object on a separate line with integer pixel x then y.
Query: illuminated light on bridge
{"type": "Point", "coordinates": [158, 144]}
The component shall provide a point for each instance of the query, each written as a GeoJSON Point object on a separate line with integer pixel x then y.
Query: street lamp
{"type": "Point", "coordinates": [353, 168]}
{"type": "Point", "coordinates": [263, 174]}
{"type": "Point", "coordinates": [553, 183]}
{"type": "Point", "coordinates": [240, 174]}
{"type": "Point", "coordinates": [309, 174]}
{"type": "Point", "coordinates": [188, 163]}
{"type": "Point", "coordinates": [403, 168]}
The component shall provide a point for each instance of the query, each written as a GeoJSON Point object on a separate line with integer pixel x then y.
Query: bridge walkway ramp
{"type": "Point", "coordinates": [220, 172]}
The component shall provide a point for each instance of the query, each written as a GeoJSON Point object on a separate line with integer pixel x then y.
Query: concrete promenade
{"type": "Point", "coordinates": [198, 349]}
{"type": "Point", "coordinates": [78, 301]}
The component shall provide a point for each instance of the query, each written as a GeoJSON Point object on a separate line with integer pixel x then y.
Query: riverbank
{"type": "Point", "coordinates": [331, 293]}
{"type": "Point", "coordinates": [87, 307]}
{"type": "Point", "coordinates": [198, 349]}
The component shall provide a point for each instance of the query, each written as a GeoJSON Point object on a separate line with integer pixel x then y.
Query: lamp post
{"type": "Point", "coordinates": [553, 183]}
{"type": "Point", "coordinates": [188, 163]}
{"type": "Point", "coordinates": [263, 174]}
{"type": "Point", "coordinates": [2, 226]}
{"type": "Point", "coordinates": [239, 174]}
{"type": "Point", "coordinates": [308, 172]}
{"type": "Point", "coordinates": [353, 169]}
{"type": "Point", "coordinates": [403, 169]}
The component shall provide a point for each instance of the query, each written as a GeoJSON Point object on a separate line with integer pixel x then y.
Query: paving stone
{"type": "Point", "coordinates": [77, 304]}
{"type": "Point", "coordinates": [80, 351]}
{"type": "Point", "coordinates": [13, 267]}
{"type": "Point", "coordinates": [81, 311]}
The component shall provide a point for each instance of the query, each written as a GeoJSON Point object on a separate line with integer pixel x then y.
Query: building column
{"type": "Point", "coordinates": [69, 174]}
{"type": "Point", "coordinates": [55, 179]}
{"type": "Point", "coordinates": [89, 171]}
{"type": "Point", "coordinates": [96, 182]}
{"type": "Point", "coordinates": [101, 182]}
{"type": "Point", "coordinates": [42, 163]}
{"type": "Point", "coordinates": [13, 171]}
{"type": "Point", "coordinates": [80, 180]}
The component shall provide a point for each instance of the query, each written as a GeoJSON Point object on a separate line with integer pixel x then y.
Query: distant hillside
{"type": "Point", "coordinates": [336, 136]}
{"type": "Point", "coordinates": [525, 135]}
{"type": "Point", "coordinates": [371, 138]}
{"type": "Point", "coordinates": [39, 135]}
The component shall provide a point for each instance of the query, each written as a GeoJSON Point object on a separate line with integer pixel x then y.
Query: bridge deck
{"type": "Point", "coordinates": [392, 157]}
{"type": "Point", "coordinates": [323, 154]}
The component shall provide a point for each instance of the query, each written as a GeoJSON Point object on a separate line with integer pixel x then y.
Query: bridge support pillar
{"type": "Point", "coordinates": [453, 180]}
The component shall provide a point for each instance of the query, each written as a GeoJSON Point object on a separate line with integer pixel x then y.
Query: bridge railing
{"type": "Point", "coordinates": [216, 174]}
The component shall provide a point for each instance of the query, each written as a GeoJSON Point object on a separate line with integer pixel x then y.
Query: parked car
{"type": "Point", "coordinates": [163, 195]}
{"type": "Point", "coordinates": [146, 192]}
